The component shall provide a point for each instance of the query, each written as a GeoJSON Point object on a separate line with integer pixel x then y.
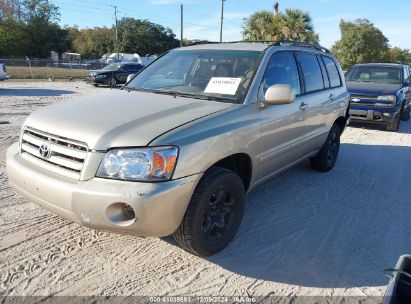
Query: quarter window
{"type": "Point", "coordinates": [282, 69]}
{"type": "Point", "coordinates": [311, 72]}
{"type": "Point", "coordinates": [332, 70]}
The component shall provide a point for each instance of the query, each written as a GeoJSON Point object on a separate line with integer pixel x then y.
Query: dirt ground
{"type": "Point", "coordinates": [303, 233]}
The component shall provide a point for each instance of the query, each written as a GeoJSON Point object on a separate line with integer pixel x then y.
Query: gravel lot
{"type": "Point", "coordinates": [303, 233]}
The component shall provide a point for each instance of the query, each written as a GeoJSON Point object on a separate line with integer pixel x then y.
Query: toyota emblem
{"type": "Point", "coordinates": [45, 151]}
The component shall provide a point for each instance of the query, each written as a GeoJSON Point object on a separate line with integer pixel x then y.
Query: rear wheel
{"type": "Point", "coordinates": [214, 213]}
{"type": "Point", "coordinates": [325, 159]}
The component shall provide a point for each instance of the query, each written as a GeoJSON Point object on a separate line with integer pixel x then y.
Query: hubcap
{"type": "Point", "coordinates": [219, 214]}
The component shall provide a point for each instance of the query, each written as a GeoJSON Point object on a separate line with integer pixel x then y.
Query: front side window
{"type": "Point", "coordinates": [379, 74]}
{"type": "Point", "coordinates": [220, 75]}
{"type": "Point", "coordinates": [282, 69]}
{"type": "Point", "coordinates": [332, 71]}
{"type": "Point", "coordinates": [313, 77]}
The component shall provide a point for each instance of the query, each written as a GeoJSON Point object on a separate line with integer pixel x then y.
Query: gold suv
{"type": "Point", "coordinates": [177, 149]}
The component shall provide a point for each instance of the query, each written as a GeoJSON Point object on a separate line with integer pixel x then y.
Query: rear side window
{"type": "Point", "coordinates": [311, 72]}
{"type": "Point", "coordinates": [332, 70]}
{"type": "Point", "coordinates": [282, 69]}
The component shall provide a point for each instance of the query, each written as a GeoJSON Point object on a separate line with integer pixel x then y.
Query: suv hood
{"type": "Point", "coordinates": [120, 118]}
{"type": "Point", "coordinates": [372, 88]}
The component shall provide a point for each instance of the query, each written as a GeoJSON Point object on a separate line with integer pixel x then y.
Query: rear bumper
{"type": "Point", "coordinates": [158, 207]}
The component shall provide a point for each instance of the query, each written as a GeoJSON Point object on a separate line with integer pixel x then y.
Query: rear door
{"type": "Point", "coordinates": [320, 81]}
{"type": "Point", "coordinates": [284, 127]}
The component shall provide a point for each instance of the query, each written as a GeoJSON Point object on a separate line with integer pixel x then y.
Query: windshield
{"type": "Point", "coordinates": [207, 74]}
{"type": "Point", "coordinates": [391, 75]}
{"type": "Point", "coordinates": [113, 66]}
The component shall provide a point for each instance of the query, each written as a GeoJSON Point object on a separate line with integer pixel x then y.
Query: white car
{"type": "Point", "coordinates": [3, 72]}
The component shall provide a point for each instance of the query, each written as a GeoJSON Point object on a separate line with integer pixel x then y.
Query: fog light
{"type": "Point", "coordinates": [121, 214]}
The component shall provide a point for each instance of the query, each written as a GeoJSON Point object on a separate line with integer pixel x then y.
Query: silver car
{"type": "Point", "coordinates": [177, 149]}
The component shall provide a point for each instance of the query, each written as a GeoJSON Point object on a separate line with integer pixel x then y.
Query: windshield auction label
{"type": "Point", "coordinates": [223, 85]}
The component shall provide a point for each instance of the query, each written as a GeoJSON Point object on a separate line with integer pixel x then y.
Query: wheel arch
{"type": "Point", "coordinates": [240, 164]}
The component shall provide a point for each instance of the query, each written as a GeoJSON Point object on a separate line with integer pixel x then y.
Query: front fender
{"type": "Point", "coordinates": [204, 142]}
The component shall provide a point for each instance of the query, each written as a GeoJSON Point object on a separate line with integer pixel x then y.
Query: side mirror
{"type": "Point", "coordinates": [279, 94]}
{"type": "Point", "coordinates": [129, 77]}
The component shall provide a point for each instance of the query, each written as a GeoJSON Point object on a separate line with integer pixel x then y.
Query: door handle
{"type": "Point", "coordinates": [303, 106]}
{"type": "Point", "coordinates": [331, 97]}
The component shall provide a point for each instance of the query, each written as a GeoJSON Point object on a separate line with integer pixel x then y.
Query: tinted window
{"type": "Point", "coordinates": [311, 71]}
{"type": "Point", "coordinates": [324, 72]}
{"type": "Point", "coordinates": [282, 69]}
{"type": "Point", "coordinates": [332, 70]}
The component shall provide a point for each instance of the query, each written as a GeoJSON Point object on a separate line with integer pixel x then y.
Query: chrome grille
{"type": "Point", "coordinates": [365, 100]}
{"type": "Point", "coordinates": [66, 156]}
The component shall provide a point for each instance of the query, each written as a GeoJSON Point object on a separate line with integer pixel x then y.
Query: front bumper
{"type": "Point", "coordinates": [371, 114]}
{"type": "Point", "coordinates": [93, 80]}
{"type": "Point", "coordinates": [158, 207]}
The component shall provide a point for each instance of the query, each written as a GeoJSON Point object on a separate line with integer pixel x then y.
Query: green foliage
{"type": "Point", "coordinates": [29, 29]}
{"type": "Point", "coordinates": [144, 37]}
{"type": "Point", "coordinates": [399, 55]}
{"type": "Point", "coordinates": [92, 43]}
{"type": "Point", "coordinates": [360, 41]}
{"type": "Point", "coordinates": [294, 24]}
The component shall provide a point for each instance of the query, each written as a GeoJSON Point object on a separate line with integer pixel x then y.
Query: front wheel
{"type": "Point", "coordinates": [394, 125]}
{"type": "Point", "coordinates": [325, 159]}
{"type": "Point", "coordinates": [213, 214]}
{"type": "Point", "coordinates": [113, 82]}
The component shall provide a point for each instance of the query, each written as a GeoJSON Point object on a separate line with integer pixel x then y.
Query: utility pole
{"type": "Point", "coordinates": [116, 42]}
{"type": "Point", "coordinates": [181, 36]}
{"type": "Point", "coordinates": [222, 19]}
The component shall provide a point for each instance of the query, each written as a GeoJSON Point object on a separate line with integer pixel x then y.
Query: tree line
{"type": "Point", "coordinates": [30, 28]}
{"type": "Point", "coordinates": [361, 40]}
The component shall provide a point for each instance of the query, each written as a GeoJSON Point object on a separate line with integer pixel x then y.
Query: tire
{"type": "Point", "coordinates": [393, 126]}
{"type": "Point", "coordinates": [213, 214]}
{"type": "Point", "coordinates": [113, 82]}
{"type": "Point", "coordinates": [405, 114]}
{"type": "Point", "coordinates": [95, 85]}
{"type": "Point", "coordinates": [325, 160]}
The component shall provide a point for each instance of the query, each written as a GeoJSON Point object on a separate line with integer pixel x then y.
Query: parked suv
{"type": "Point", "coordinates": [380, 93]}
{"type": "Point", "coordinates": [3, 72]}
{"type": "Point", "coordinates": [177, 149]}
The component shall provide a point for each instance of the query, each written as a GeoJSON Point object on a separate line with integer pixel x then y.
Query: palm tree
{"type": "Point", "coordinates": [294, 24]}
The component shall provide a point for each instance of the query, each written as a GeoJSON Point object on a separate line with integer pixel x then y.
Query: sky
{"type": "Point", "coordinates": [202, 17]}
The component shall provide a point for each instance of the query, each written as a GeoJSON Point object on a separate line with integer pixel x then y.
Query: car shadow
{"type": "Point", "coordinates": [33, 92]}
{"type": "Point", "coordinates": [405, 126]}
{"type": "Point", "coordinates": [338, 229]}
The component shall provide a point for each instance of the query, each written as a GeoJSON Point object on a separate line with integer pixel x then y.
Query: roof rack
{"type": "Point", "coordinates": [386, 62]}
{"type": "Point", "coordinates": [271, 42]}
{"type": "Point", "coordinates": [287, 42]}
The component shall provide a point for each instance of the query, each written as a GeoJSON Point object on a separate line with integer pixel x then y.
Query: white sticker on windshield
{"type": "Point", "coordinates": [223, 85]}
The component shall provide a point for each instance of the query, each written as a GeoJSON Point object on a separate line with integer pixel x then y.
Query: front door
{"type": "Point", "coordinates": [284, 127]}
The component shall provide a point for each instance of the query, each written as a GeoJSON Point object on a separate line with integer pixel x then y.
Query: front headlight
{"type": "Point", "coordinates": [391, 98]}
{"type": "Point", "coordinates": [139, 164]}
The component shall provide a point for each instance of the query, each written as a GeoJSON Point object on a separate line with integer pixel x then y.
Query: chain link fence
{"type": "Point", "coordinates": [46, 69]}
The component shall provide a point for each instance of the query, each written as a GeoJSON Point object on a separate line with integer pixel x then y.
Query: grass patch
{"type": "Point", "coordinates": [21, 72]}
